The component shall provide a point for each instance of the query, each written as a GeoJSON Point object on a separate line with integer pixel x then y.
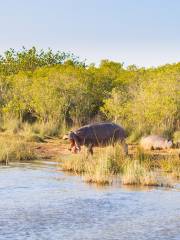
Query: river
{"type": "Point", "coordinates": [37, 201]}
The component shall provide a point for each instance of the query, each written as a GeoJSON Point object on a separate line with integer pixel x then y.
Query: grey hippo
{"type": "Point", "coordinates": [153, 142]}
{"type": "Point", "coordinates": [96, 135]}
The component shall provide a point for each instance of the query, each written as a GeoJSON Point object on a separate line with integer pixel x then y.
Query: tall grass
{"type": "Point", "coordinates": [171, 165]}
{"type": "Point", "coordinates": [136, 173]}
{"type": "Point", "coordinates": [176, 138]}
{"type": "Point", "coordinates": [99, 168]}
{"type": "Point", "coordinates": [15, 149]}
{"type": "Point", "coordinates": [17, 137]}
{"type": "Point", "coordinates": [32, 132]}
{"type": "Point", "coordinates": [11, 125]}
{"type": "Point", "coordinates": [45, 129]}
{"type": "Point", "coordinates": [139, 169]}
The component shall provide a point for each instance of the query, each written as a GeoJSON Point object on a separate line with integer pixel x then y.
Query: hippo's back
{"type": "Point", "coordinates": [100, 133]}
{"type": "Point", "coordinates": [155, 142]}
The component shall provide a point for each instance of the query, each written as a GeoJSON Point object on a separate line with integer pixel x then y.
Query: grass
{"type": "Point", "coordinates": [140, 169]}
{"type": "Point", "coordinates": [171, 165]}
{"type": "Point", "coordinates": [97, 169]}
{"type": "Point", "coordinates": [47, 129]}
{"type": "Point", "coordinates": [137, 173]}
{"type": "Point", "coordinates": [11, 126]}
{"type": "Point", "coordinates": [76, 164]}
{"type": "Point", "coordinates": [15, 149]}
{"type": "Point", "coordinates": [35, 132]}
{"type": "Point", "coordinates": [176, 138]}
{"type": "Point", "coordinates": [17, 138]}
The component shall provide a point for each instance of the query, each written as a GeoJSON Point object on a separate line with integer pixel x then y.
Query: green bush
{"type": "Point", "coordinates": [59, 88]}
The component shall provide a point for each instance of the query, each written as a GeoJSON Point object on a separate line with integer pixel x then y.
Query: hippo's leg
{"type": "Point", "coordinates": [90, 149]}
{"type": "Point", "coordinates": [125, 147]}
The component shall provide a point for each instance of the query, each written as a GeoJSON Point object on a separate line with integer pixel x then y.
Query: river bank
{"type": "Point", "coordinates": [150, 168]}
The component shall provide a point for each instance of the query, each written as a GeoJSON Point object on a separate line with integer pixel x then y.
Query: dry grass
{"type": "Point", "coordinates": [76, 164]}
{"type": "Point", "coordinates": [171, 165]}
{"type": "Point", "coordinates": [17, 138]}
{"type": "Point", "coordinates": [15, 149]}
{"type": "Point", "coordinates": [35, 132]}
{"type": "Point", "coordinates": [11, 125]}
{"type": "Point", "coordinates": [99, 168]}
{"type": "Point", "coordinates": [45, 129]}
{"type": "Point", "coordinates": [140, 169]}
{"type": "Point", "coordinates": [176, 138]}
{"type": "Point", "coordinates": [98, 178]}
{"type": "Point", "coordinates": [137, 173]}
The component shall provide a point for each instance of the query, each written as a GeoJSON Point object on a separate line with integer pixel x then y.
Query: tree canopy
{"type": "Point", "coordinates": [59, 86]}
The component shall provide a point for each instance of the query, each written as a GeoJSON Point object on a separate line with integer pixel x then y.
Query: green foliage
{"type": "Point", "coordinates": [29, 59]}
{"type": "Point", "coordinates": [151, 103]}
{"type": "Point", "coordinates": [58, 87]}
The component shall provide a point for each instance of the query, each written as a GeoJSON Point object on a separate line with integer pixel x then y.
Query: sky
{"type": "Point", "coordinates": [141, 32]}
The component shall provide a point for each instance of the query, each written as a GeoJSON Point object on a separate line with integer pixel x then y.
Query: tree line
{"type": "Point", "coordinates": [47, 86]}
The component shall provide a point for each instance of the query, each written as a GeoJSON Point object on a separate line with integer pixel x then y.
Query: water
{"type": "Point", "coordinates": [38, 202]}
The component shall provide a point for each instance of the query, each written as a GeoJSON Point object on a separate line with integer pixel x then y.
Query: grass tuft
{"type": "Point", "coordinates": [136, 173]}
{"type": "Point", "coordinates": [15, 149]}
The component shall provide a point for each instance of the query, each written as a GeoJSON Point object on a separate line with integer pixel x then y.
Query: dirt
{"type": "Point", "coordinates": [54, 148]}
{"type": "Point", "coordinates": [51, 148]}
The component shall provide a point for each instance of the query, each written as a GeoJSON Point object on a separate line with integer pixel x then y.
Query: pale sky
{"type": "Point", "coordinates": [141, 32]}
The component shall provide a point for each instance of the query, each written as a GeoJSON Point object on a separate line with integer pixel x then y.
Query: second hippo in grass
{"type": "Point", "coordinates": [95, 135]}
{"type": "Point", "coordinates": [155, 142]}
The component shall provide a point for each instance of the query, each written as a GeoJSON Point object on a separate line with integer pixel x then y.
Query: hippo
{"type": "Point", "coordinates": [154, 142]}
{"type": "Point", "coordinates": [95, 135]}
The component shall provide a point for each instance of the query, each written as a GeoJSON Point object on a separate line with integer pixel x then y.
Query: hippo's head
{"type": "Point", "coordinates": [74, 142]}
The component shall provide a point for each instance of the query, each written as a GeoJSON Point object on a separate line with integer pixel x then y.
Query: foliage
{"type": "Point", "coordinates": [149, 104]}
{"type": "Point", "coordinates": [57, 87]}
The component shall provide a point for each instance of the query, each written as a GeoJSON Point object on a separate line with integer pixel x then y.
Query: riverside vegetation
{"type": "Point", "coordinates": [42, 93]}
{"type": "Point", "coordinates": [111, 165]}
